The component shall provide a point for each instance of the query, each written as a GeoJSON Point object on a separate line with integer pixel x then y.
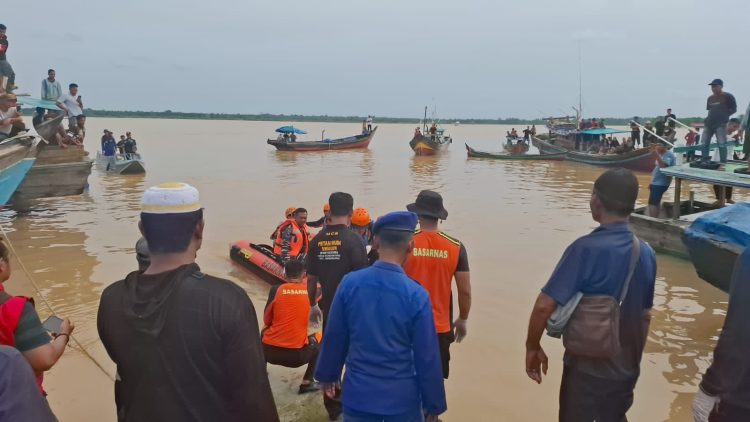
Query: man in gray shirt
{"type": "Point", "coordinates": [720, 105]}
{"type": "Point", "coordinates": [51, 89]}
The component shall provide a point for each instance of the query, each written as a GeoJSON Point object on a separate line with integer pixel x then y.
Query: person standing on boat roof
{"type": "Point", "coordinates": [51, 90]}
{"type": "Point", "coordinates": [720, 105]}
{"type": "Point", "coordinates": [287, 341]}
{"type": "Point", "coordinates": [434, 262]}
{"type": "Point", "coordinates": [659, 182]}
{"type": "Point", "coordinates": [292, 240]}
{"type": "Point", "coordinates": [6, 70]}
{"type": "Point", "coordinates": [600, 263]}
{"type": "Point", "coordinates": [724, 393]}
{"type": "Point", "coordinates": [8, 115]}
{"type": "Point", "coordinates": [669, 119]}
{"type": "Point", "coordinates": [381, 326]}
{"type": "Point", "coordinates": [186, 344]}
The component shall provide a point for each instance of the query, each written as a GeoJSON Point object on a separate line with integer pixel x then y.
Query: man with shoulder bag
{"type": "Point", "coordinates": [598, 299]}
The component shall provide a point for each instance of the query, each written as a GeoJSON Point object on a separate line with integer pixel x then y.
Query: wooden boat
{"type": "Point", "coordinates": [715, 240]}
{"type": "Point", "coordinates": [121, 163]}
{"type": "Point", "coordinates": [351, 142]}
{"type": "Point", "coordinates": [505, 156]}
{"type": "Point", "coordinates": [259, 259]}
{"type": "Point", "coordinates": [56, 172]}
{"type": "Point", "coordinates": [17, 155]}
{"type": "Point", "coordinates": [637, 160]}
{"type": "Point", "coordinates": [47, 129]}
{"type": "Point", "coordinates": [516, 148]}
{"type": "Point", "coordinates": [427, 145]}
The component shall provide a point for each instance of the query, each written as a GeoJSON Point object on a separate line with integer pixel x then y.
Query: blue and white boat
{"type": "Point", "coordinates": [17, 155]}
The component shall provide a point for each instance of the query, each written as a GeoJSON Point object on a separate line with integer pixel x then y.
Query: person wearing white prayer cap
{"type": "Point", "coordinates": [186, 344]}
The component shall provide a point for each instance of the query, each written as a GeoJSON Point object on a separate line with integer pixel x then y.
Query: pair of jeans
{"type": "Point", "coordinates": [586, 398]}
{"type": "Point", "coordinates": [721, 138]}
{"type": "Point", "coordinates": [7, 70]}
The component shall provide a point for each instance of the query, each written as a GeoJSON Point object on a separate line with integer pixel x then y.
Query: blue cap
{"type": "Point", "coordinates": [717, 82]}
{"type": "Point", "coordinates": [402, 221]}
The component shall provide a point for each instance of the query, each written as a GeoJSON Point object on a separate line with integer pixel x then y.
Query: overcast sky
{"type": "Point", "coordinates": [469, 58]}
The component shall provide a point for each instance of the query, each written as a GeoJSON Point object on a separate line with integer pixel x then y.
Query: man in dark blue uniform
{"type": "Point", "coordinates": [381, 326]}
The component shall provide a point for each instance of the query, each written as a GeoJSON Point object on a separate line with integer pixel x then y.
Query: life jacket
{"type": "Point", "coordinates": [299, 242]}
{"type": "Point", "coordinates": [10, 316]}
{"type": "Point", "coordinates": [432, 263]}
{"type": "Point", "coordinates": [287, 316]}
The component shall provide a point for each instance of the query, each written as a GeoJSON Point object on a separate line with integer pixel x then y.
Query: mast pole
{"type": "Point", "coordinates": [424, 121]}
{"type": "Point", "coordinates": [580, 84]}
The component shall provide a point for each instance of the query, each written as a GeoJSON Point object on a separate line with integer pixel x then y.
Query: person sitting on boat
{"type": "Point", "coordinates": [659, 182]}
{"type": "Point", "coordinates": [293, 138]}
{"type": "Point", "coordinates": [288, 214]}
{"type": "Point", "coordinates": [286, 137]}
{"type": "Point", "coordinates": [322, 221]}
{"type": "Point", "coordinates": [433, 131]}
{"type": "Point", "coordinates": [364, 127]}
{"type": "Point", "coordinates": [109, 145]}
{"type": "Point", "coordinates": [417, 132]}
{"type": "Point", "coordinates": [293, 238]}
{"type": "Point", "coordinates": [513, 133]}
{"type": "Point", "coordinates": [61, 136]}
{"type": "Point", "coordinates": [280, 137]}
{"type": "Point", "coordinates": [9, 116]}
{"type": "Point", "coordinates": [79, 132]}
{"type": "Point", "coordinates": [287, 340]}
{"type": "Point", "coordinates": [614, 143]}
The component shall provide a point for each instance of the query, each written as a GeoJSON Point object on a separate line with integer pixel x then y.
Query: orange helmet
{"type": "Point", "coordinates": [289, 211]}
{"type": "Point", "coordinates": [361, 217]}
{"type": "Point", "coordinates": [326, 207]}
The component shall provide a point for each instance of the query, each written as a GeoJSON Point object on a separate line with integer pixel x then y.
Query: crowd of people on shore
{"type": "Point", "coordinates": [188, 345]}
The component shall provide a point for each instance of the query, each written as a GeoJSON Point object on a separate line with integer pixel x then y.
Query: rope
{"type": "Point", "coordinates": [47, 304]}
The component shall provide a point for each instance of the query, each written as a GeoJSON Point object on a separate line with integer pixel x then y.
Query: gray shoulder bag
{"type": "Point", "coordinates": [590, 325]}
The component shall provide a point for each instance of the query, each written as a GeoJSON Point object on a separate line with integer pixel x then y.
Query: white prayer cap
{"type": "Point", "coordinates": [170, 198]}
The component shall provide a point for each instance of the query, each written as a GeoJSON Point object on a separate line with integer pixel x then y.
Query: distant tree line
{"type": "Point", "coordinates": [267, 117]}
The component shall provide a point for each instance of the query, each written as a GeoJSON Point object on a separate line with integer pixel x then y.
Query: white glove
{"type": "Point", "coordinates": [703, 404]}
{"type": "Point", "coordinates": [316, 319]}
{"type": "Point", "coordinates": [461, 330]}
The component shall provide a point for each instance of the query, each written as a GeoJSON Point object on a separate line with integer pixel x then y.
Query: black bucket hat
{"type": "Point", "coordinates": [429, 204]}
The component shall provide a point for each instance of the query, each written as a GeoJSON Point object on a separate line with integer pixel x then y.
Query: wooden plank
{"type": "Point", "coordinates": [727, 177]}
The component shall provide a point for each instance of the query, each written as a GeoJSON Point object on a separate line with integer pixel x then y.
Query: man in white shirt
{"type": "Point", "coordinates": [369, 124]}
{"type": "Point", "coordinates": [8, 115]}
{"type": "Point", "coordinates": [72, 105]}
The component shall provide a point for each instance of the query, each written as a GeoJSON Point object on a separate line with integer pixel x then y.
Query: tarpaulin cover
{"type": "Point", "coordinates": [729, 224]}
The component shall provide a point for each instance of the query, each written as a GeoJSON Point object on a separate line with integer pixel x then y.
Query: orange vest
{"type": "Point", "coordinates": [300, 239]}
{"type": "Point", "coordinates": [433, 263]}
{"type": "Point", "coordinates": [287, 316]}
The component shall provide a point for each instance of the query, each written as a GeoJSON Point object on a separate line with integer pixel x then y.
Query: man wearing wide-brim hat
{"type": "Point", "coordinates": [9, 116]}
{"type": "Point", "coordinates": [186, 344]}
{"type": "Point", "coordinates": [435, 261]}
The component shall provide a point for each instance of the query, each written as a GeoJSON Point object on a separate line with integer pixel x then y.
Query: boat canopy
{"type": "Point", "coordinates": [34, 102]}
{"type": "Point", "coordinates": [291, 129]}
{"type": "Point", "coordinates": [604, 131]}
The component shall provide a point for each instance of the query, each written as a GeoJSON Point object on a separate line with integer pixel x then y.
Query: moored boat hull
{"type": "Point", "coordinates": [56, 172]}
{"type": "Point", "coordinates": [527, 157]}
{"type": "Point", "coordinates": [259, 259]}
{"type": "Point", "coordinates": [121, 163]}
{"type": "Point", "coordinates": [640, 160]}
{"type": "Point", "coordinates": [11, 177]}
{"type": "Point", "coordinates": [423, 145]}
{"type": "Point", "coordinates": [352, 142]}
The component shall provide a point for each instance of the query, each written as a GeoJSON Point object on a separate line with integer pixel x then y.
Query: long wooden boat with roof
{"type": "Point", "coordinates": [507, 156]}
{"type": "Point", "coordinates": [637, 160]}
{"type": "Point", "coordinates": [352, 142]}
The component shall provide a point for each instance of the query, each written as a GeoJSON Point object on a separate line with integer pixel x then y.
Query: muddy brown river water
{"type": "Point", "coordinates": [516, 218]}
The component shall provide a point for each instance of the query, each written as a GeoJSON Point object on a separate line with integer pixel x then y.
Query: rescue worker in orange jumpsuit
{"type": "Point", "coordinates": [434, 262]}
{"type": "Point", "coordinates": [287, 341]}
{"type": "Point", "coordinates": [287, 215]}
{"type": "Point", "coordinates": [293, 238]}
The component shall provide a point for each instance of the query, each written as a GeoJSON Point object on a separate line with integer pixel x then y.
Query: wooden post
{"type": "Point", "coordinates": [677, 202]}
{"type": "Point", "coordinates": [691, 204]}
{"type": "Point", "coordinates": [722, 196]}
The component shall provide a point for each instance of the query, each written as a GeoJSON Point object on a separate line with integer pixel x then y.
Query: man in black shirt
{"type": "Point", "coordinates": [334, 252]}
{"type": "Point", "coordinates": [6, 70]}
{"type": "Point", "coordinates": [186, 344]}
{"type": "Point", "coordinates": [668, 118]}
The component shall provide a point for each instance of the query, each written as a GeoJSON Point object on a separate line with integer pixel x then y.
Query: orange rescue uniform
{"type": "Point", "coordinates": [286, 316]}
{"type": "Point", "coordinates": [300, 239]}
{"type": "Point", "coordinates": [432, 263]}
